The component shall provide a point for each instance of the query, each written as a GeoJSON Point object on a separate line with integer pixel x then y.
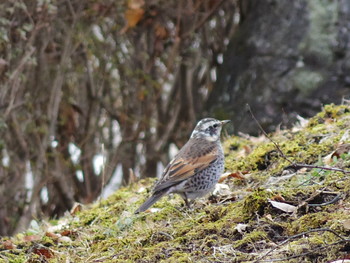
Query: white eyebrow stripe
{"type": "Point", "coordinates": [208, 124]}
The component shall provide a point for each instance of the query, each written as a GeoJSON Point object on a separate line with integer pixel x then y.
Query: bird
{"type": "Point", "coordinates": [195, 169]}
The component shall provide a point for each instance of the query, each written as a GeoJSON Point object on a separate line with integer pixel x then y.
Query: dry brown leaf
{"type": "Point", "coordinates": [52, 235]}
{"type": "Point", "coordinates": [278, 198]}
{"type": "Point", "coordinates": [43, 251]}
{"type": "Point", "coordinates": [77, 207]}
{"type": "Point", "coordinates": [7, 244]}
{"type": "Point", "coordinates": [31, 238]}
{"type": "Point", "coordinates": [328, 121]}
{"type": "Point", "coordinates": [68, 232]}
{"type": "Point", "coordinates": [247, 149]}
{"type": "Point", "coordinates": [238, 175]}
{"type": "Point", "coordinates": [341, 149]}
{"type": "Point", "coordinates": [346, 224]}
{"type": "Point", "coordinates": [328, 158]}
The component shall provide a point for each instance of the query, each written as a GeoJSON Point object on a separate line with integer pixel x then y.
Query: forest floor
{"type": "Point", "coordinates": [283, 198]}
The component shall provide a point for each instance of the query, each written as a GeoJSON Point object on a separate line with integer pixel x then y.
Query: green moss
{"type": "Point", "coordinates": [16, 257]}
{"type": "Point", "coordinates": [254, 161]}
{"type": "Point", "coordinates": [330, 113]}
{"type": "Point", "coordinates": [309, 221]}
{"type": "Point", "coordinates": [251, 238]}
{"type": "Point", "coordinates": [256, 202]}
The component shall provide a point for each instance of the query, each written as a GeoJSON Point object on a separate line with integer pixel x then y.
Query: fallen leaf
{"type": "Point", "coordinates": [223, 177]}
{"type": "Point", "coordinates": [328, 121]}
{"type": "Point", "coordinates": [247, 149]}
{"type": "Point", "coordinates": [221, 189]}
{"type": "Point", "coordinates": [328, 158]}
{"type": "Point", "coordinates": [341, 149]}
{"type": "Point", "coordinates": [141, 189]}
{"type": "Point", "coordinates": [302, 170]}
{"type": "Point", "coordinates": [241, 227]}
{"type": "Point", "coordinates": [56, 228]}
{"type": "Point", "coordinates": [31, 238]}
{"type": "Point", "coordinates": [7, 244]}
{"type": "Point", "coordinates": [283, 206]}
{"type": "Point", "coordinates": [269, 217]}
{"type": "Point", "coordinates": [52, 235]}
{"type": "Point", "coordinates": [278, 198]}
{"type": "Point", "coordinates": [346, 224]}
{"type": "Point", "coordinates": [153, 210]}
{"type": "Point", "coordinates": [77, 207]}
{"type": "Point", "coordinates": [302, 123]}
{"type": "Point", "coordinates": [43, 251]}
{"type": "Point", "coordinates": [238, 175]}
{"type": "Point", "coordinates": [64, 239]}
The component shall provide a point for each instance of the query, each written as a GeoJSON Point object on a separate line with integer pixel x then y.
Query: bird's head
{"type": "Point", "coordinates": [208, 129]}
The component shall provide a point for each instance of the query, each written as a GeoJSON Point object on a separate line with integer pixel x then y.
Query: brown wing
{"type": "Point", "coordinates": [192, 158]}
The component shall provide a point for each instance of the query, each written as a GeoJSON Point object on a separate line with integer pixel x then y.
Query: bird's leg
{"type": "Point", "coordinates": [188, 203]}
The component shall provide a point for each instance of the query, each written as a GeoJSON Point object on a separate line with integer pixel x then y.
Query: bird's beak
{"type": "Point", "coordinates": [224, 122]}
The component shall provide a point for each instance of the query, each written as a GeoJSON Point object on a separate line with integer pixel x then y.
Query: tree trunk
{"type": "Point", "coordinates": [286, 58]}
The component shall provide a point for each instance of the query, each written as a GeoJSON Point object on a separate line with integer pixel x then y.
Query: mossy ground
{"type": "Point", "coordinates": [238, 225]}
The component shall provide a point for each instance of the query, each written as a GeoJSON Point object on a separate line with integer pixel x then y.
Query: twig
{"type": "Point", "coordinates": [297, 166]}
{"type": "Point", "coordinates": [335, 199]}
{"type": "Point", "coordinates": [268, 137]}
{"type": "Point", "coordinates": [203, 20]}
{"type": "Point", "coordinates": [342, 239]}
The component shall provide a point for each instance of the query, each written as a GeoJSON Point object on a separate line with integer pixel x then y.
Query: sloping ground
{"type": "Point", "coordinates": [277, 212]}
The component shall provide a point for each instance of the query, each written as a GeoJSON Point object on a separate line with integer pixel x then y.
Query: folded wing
{"type": "Point", "coordinates": [185, 165]}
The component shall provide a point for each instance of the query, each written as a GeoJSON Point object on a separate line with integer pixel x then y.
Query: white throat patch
{"type": "Point", "coordinates": [212, 138]}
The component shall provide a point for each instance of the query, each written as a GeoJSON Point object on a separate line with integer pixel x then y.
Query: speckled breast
{"type": "Point", "coordinates": [204, 181]}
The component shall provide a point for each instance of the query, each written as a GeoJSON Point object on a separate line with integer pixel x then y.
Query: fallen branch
{"type": "Point", "coordinates": [297, 166]}
{"type": "Point", "coordinates": [335, 199]}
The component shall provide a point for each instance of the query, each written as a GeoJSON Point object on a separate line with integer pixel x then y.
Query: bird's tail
{"type": "Point", "coordinates": [150, 201]}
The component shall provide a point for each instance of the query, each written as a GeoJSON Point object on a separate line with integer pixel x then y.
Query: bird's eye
{"type": "Point", "coordinates": [215, 125]}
